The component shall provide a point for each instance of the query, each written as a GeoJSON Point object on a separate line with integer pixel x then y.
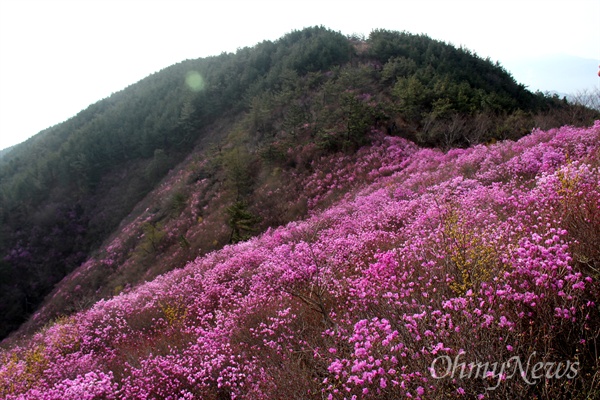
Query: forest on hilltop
{"type": "Point", "coordinates": [237, 127]}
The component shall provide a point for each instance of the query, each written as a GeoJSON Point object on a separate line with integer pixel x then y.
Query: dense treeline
{"type": "Point", "coordinates": [65, 190]}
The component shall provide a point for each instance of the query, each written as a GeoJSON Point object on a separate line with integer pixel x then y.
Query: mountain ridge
{"type": "Point", "coordinates": [260, 120]}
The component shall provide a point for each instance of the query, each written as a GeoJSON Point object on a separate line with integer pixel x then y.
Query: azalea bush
{"type": "Point", "coordinates": [445, 275]}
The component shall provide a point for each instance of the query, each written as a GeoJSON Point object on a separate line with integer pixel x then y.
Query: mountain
{"type": "Point", "coordinates": [213, 151]}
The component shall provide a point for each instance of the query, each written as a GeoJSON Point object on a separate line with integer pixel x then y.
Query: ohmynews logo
{"type": "Point", "coordinates": [531, 373]}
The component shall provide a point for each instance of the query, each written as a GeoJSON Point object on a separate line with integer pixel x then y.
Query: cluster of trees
{"type": "Point", "coordinates": [65, 190]}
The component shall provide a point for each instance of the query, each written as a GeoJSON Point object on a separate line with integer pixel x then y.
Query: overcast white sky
{"type": "Point", "coordinates": [59, 56]}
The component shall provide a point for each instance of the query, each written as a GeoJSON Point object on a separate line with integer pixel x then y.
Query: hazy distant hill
{"type": "Point", "coordinates": [560, 73]}
{"type": "Point", "coordinates": [220, 137]}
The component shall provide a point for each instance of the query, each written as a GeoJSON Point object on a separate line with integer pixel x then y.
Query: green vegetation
{"type": "Point", "coordinates": [241, 221]}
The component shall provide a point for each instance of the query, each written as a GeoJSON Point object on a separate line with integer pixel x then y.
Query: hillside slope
{"type": "Point", "coordinates": [242, 131]}
{"type": "Point", "coordinates": [489, 253]}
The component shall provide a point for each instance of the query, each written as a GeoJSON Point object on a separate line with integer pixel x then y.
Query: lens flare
{"type": "Point", "coordinates": [194, 81]}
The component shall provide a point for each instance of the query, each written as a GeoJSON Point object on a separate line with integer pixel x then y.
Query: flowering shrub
{"type": "Point", "coordinates": [489, 253]}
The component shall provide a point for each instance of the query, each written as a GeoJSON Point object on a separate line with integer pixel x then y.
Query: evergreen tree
{"type": "Point", "coordinates": [241, 221]}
